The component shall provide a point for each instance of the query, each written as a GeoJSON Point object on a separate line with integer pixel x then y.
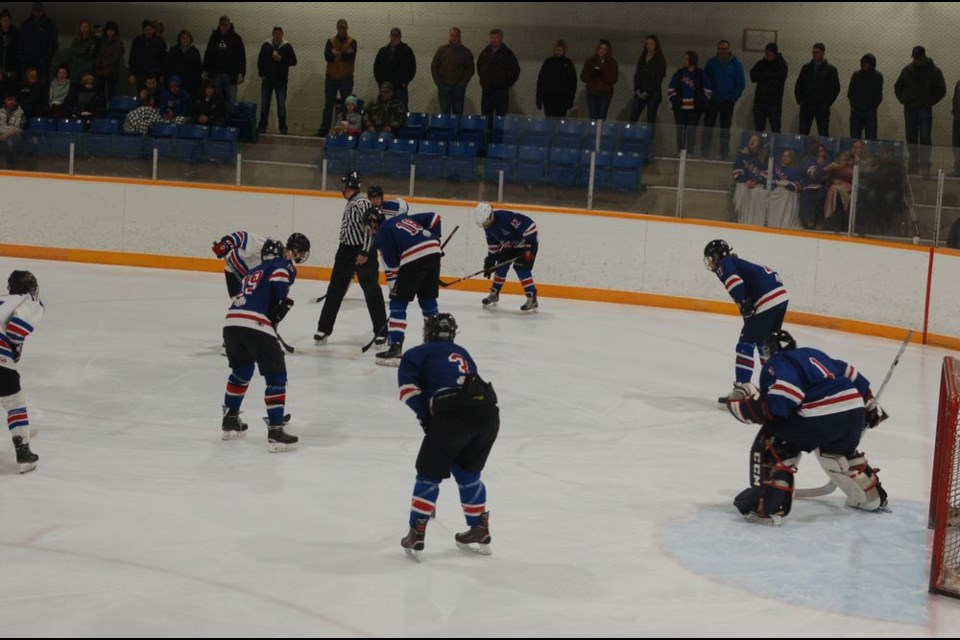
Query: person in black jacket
{"type": "Point", "coordinates": [148, 56]}
{"type": "Point", "coordinates": [557, 83]}
{"type": "Point", "coordinates": [38, 42]}
{"type": "Point", "coordinates": [770, 74]}
{"type": "Point", "coordinates": [865, 94]}
{"type": "Point", "coordinates": [498, 70]}
{"type": "Point", "coordinates": [9, 53]}
{"type": "Point", "coordinates": [648, 80]}
{"type": "Point", "coordinates": [919, 87]}
{"type": "Point", "coordinates": [183, 59]}
{"type": "Point", "coordinates": [395, 63]}
{"type": "Point", "coordinates": [273, 65]}
{"type": "Point", "coordinates": [817, 88]}
{"type": "Point", "coordinates": [225, 60]}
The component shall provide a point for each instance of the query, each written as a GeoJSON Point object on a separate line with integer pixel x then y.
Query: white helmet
{"type": "Point", "coordinates": [395, 207]}
{"type": "Point", "coordinates": [482, 213]}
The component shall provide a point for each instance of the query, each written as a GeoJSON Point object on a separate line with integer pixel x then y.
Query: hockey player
{"type": "Point", "coordinates": [458, 412]}
{"type": "Point", "coordinates": [807, 401]}
{"type": "Point", "coordinates": [250, 337]}
{"type": "Point", "coordinates": [399, 207]}
{"type": "Point", "coordinates": [20, 313]}
{"type": "Point", "coordinates": [411, 263]}
{"type": "Point", "coordinates": [240, 252]}
{"type": "Point", "coordinates": [510, 236]}
{"type": "Point", "coordinates": [762, 300]}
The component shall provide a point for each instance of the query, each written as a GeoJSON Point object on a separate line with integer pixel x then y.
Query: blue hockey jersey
{"type": "Point", "coordinates": [401, 240]}
{"type": "Point", "coordinates": [430, 367]}
{"type": "Point", "coordinates": [757, 284]}
{"type": "Point", "coordinates": [260, 290]}
{"type": "Point", "coordinates": [811, 383]}
{"type": "Point", "coordinates": [509, 230]}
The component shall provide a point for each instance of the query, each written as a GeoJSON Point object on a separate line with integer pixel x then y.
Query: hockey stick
{"type": "Point", "coordinates": [829, 488]}
{"type": "Point", "coordinates": [493, 268]}
{"type": "Point", "coordinates": [376, 335]}
{"type": "Point", "coordinates": [283, 343]}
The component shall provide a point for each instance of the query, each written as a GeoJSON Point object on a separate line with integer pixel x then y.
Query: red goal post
{"type": "Point", "coordinates": [944, 515]}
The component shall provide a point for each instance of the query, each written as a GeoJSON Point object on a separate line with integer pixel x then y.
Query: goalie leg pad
{"type": "Point", "coordinates": [856, 478]}
{"type": "Point", "coordinates": [773, 464]}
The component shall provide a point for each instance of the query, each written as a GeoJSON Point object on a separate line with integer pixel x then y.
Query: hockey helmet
{"type": "Point", "coordinates": [22, 283]}
{"type": "Point", "coordinates": [299, 245]}
{"type": "Point", "coordinates": [714, 252]}
{"type": "Point", "coordinates": [397, 207]}
{"type": "Point", "coordinates": [374, 217]}
{"type": "Point", "coordinates": [351, 180]}
{"type": "Point", "coordinates": [271, 249]}
{"type": "Point", "coordinates": [442, 326]}
{"type": "Point", "coordinates": [375, 191]}
{"type": "Point", "coordinates": [482, 214]}
{"type": "Point", "coordinates": [776, 342]}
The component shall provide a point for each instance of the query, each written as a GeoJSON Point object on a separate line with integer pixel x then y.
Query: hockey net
{"type": "Point", "coordinates": [944, 515]}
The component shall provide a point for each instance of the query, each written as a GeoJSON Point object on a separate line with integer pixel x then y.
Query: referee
{"type": "Point", "coordinates": [355, 254]}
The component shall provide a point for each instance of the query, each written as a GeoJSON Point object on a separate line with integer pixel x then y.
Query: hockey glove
{"type": "Point", "coordinates": [875, 413]}
{"type": "Point", "coordinates": [279, 310]}
{"type": "Point", "coordinates": [424, 423]}
{"type": "Point", "coordinates": [222, 248]}
{"type": "Point", "coordinates": [488, 264]}
{"type": "Point", "coordinates": [527, 256]}
{"type": "Point", "coordinates": [747, 310]}
{"type": "Point", "coordinates": [749, 410]}
{"type": "Point", "coordinates": [17, 351]}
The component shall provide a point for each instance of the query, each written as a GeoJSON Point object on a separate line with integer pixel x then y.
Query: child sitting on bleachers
{"type": "Point", "coordinates": [352, 121]}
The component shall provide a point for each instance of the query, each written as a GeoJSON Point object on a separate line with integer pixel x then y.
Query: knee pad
{"type": "Point", "coordinates": [14, 401]}
{"type": "Point", "coordinates": [856, 478]}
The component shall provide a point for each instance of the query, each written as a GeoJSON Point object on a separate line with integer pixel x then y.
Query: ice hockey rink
{"type": "Point", "coordinates": [610, 485]}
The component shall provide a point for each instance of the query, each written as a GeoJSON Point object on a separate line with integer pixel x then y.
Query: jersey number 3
{"type": "Point", "coordinates": [460, 361]}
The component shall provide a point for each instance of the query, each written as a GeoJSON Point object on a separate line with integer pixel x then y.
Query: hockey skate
{"type": "Point", "coordinates": [320, 338]}
{"type": "Point", "coordinates": [26, 459]}
{"type": "Point", "coordinates": [391, 356]}
{"type": "Point", "coordinates": [531, 305]}
{"type": "Point", "coordinates": [232, 427]}
{"type": "Point", "coordinates": [279, 440]}
{"type": "Point", "coordinates": [476, 538]}
{"type": "Point", "coordinates": [412, 543]}
{"type": "Point", "coordinates": [380, 341]}
{"type": "Point", "coordinates": [757, 518]}
{"type": "Point", "coordinates": [741, 391]}
{"type": "Point", "coordinates": [491, 300]}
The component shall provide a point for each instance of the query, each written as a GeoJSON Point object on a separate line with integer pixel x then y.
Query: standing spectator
{"type": "Point", "coordinates": [498, 70]}
{"type": "Point", "coordinates": [10, 53]}
{"type": "Point", "coordinates": [208, 108]}
{"type": "Point", "coordinates": [600, 72]}
{"type": "Point", "coordinates": [32, 96]}
{"type": "Point", "coordinates": [83, 51]}
{"type": "Point", "coordinates": [386, 113]}
{"type": "Point", "coordinates": [726, 77]}
{"type": "Point", "coordinates": [109, 56]}
{"type": "Point", "coordinates": [955, 112]}
{"type": "Point", "coordinates": [648, 80]}
{"type": "Point", "coordinates": [12, 120]}
{"type": "Point", "coordinates": [865, 94]}
{"type": "Point", "coordinates": [148, 55]}
{"type": "Point", "coordinates": [60, 96]}
{"type": "Point", "coordinates": [38, 42]}
{"type": "Point", "coordinates": [340, 54]}
{"type": "Point", "coordinates": [557, 83]}
{"type": "Point", "coordinates": [273, 65]}
{"type": "Point", "coordinates": [689, 94]}
{"type": "Point", "coordinates": [452, 68]}
{"type": "Point", "coordinates": [225, 60]}
{"type": "Point", "coordinates": [354, 256]}
{"type": "Point", "coordinates": [919, 87]}
{"type": "Point", "coordinates": [184, 60]}
{"type": "Point", "coordinates": [770, 74]}
{"type": "Point", "coordinates": [817, 87]}
{"type": "Point", "coordinates": [395, 63]}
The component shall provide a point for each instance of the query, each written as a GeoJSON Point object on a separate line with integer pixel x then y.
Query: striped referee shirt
{"type": "Point", "coordinates": [353, 229]}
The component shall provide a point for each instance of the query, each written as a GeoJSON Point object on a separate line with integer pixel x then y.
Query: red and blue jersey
{"type": "Point", "coordinates": [510, 230]}
{"type": "Point", "coordinates": [429, 368]}
{"type": "Point", "coordinates": [260, 290]}
{"type": "Point", "coordinates": [812, 384]}
{"type": "Point", "coordinates": [245, 254]}
{"type": "Point", "coordinates": [759, 285]}
{"type": "Point", "coordinates": [19, 316]}
{"type": "Point", "coordinates": [401, 240]}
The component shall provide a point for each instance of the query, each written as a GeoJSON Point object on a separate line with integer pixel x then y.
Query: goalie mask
{"type": "Point", "coordinates": [775, 343]}
{"type": "Point", "coordinates": [22, 283]}
{"type": "Point", "coordinates": [714, 252]}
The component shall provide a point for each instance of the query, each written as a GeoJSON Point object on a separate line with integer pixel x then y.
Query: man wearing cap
{"type": "Point", "coordinates": [817, 88]}
{"type": "Point", "coordinates": [225, 60]}
{"type": "Point", "coordinates": [148, 55]}
{"type": "Point", "coordinates": [340, 54]}
{"type": "Point", "coordinates": [770, 74]}
{"type": "Point", "coordinates": [38, 42]}
{"type": "Point", "coordinates": [452, 69]}
{"type": "Point", "coordinates": [397, 65]}
{"type": "Point", "coordinates": [919, 87]}
{"type": "Point", "coordinates": [386, 113]}
{"type": "Point", "coordinates": [273, 64]}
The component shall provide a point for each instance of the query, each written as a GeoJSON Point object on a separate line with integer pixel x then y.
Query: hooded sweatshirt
{"type": "Point", "coordinates": [866, 86]}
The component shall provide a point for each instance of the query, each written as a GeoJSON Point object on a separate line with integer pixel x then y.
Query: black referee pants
{"type": "Point", "coordinates": [344, 266]}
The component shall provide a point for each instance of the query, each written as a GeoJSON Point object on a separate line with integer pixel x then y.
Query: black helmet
{"type": "Point", "coordinates": [22, 283]}
{"type": "Point", "coordinates": [375, 191]}
{"type": "Point", "coordinates": [271, 249]}
{"type": "Point", "coordinates": [439, 327]}
{"type": "Point", "coordinates": [374, 217]}
{"type": "Point", "coordinates": [351, 180]}
{"type": "Point", "coordinates": [776, 342]}
{"type": "Point", "coordinates": [714, 252]}
{"type": "Point", "coordinates": [299, 244]}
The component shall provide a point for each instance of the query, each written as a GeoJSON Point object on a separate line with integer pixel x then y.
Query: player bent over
{"type": "Point", "coordinates": [510, 236]}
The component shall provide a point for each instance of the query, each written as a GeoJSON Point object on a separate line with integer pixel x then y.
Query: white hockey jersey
{"type": "Point", "coordinates": [245, 255]}
{"type": "Point", "coordinates": [19, 317]}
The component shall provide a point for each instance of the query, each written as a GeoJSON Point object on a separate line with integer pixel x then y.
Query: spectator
{"type": "Point", "coordinates": [148, 55]}
{"type": "Point", "coordinates": [352, 122]}
{"type": "Point", "coordinates": [109, 56]}
{"type": "Point", "coordinates": [452, 69]}
{"type": "Point", "coordinates": [919, 87]}
{"type": "Point", "coordinates": [60, 96]}
{"type": "Point", "coordinates": [273, 66]}
{"type": "Point", "coordinates": [225, 60]}
{"type": "Point", "coordinates": [141, 119]}
{"type": "Point", "coordinates": [498, 70]}
{"type": "Point", "coordinates": [386, 114]}
{"type": "Point", "coordinates": [726, 77]}
{"type": "Point", "coordinates": [953, 239]}
{"type": "Point", "coordinates": [151, 90]}
{"type": "Point", "coordinates": [814, 194]}
{"type": "Point", "coordinates": [648, 80]}
{"type": "Point", "coordinates": [881, 193]}
{"type": "Point", "coordinates": [12, 120]}
{"type": "Point", "coordinates": [395, 63]}
{"type": "Point", "coordinates": [87, 102]}
{"type": "Point", "coordinates": [83, 51]}
{"type": "Point", "coordinates": [750, 176]}
{"type": "Point", "coordinates": [955, 112]}
{"type": "Point", "coordinates": [865, 94]}
{"type": "Point", "coordinates": [38, 42]}
{"type": "Point", "coordinates": [600, 72]}
{"type": "Point", "coordinates": [175, 101]}
{"type": "Point", "coordinates": [9, 53]}
{"type": "Point", "coordinates": [783, 205]}
{"type": "Point", "coordinates": [208, 107]}
{"type": "Point", "coordinates": [32, 97]}
{"type": "Point", "coordinates": [689, 94]}
{"type": "Point", "coordinates": [836, 209]}
{"type": "Point", "coordinates": [817, 87]}
{"type": "Point", "coordinates": [557, 83]}
{"type": "Point", "coordinates": [770, 74]}
{"type": "Point", "coordinates": [340, 54]}
{"type": "Point", "coordinates": [184, 60]}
